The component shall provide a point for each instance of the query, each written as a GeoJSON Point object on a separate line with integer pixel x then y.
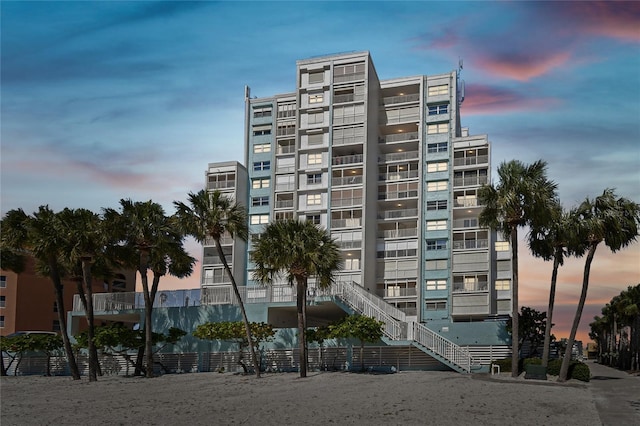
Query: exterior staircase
{"type": "Point", "coordinates": [399, 331]}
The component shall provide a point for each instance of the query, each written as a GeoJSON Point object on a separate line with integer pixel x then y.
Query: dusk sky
{"type": "Point", "coordinates": [108, 100]}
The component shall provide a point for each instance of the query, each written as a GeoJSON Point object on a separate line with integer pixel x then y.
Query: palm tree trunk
{"type": "Point", "coordinates": [515, 355]}
{"type": "Point", "coordinates": [552, 297]}
{"type": "Point", "coordinates": [62, 320]}
{"type": "Point", "coordinates": [93, 352]}
{"type": "Point", "coordinates": [564, 369]}
{"type": "Point", "coordinates": [300, 301]}
{"type": "Point", "coordinates": [148, 308]}
{"type": "Point", "coordinates": [245, 319]}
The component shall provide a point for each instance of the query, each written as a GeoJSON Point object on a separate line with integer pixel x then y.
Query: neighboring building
{"type": "Point", "coordinates": [27, 300]}
{"type": "Point", "coordinates": [387, 168]}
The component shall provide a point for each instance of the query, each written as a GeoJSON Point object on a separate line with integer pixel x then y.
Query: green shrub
{"type": "Point", "coordinates": [531, 361]}
{"type": "Point", "coordinates": [553, 368]}
{"type": "Point", "coordinates": [505, 364]}
{"type": "Point", "coordinates": [579, 371]}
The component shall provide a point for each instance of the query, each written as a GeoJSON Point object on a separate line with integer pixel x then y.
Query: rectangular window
{"type": "Point", "coordinates": [259, 219]}
{"type": "Point", "coordinates": [314, 158]}
{"type": "Point", "coordinates": [436, 306]}
{"type": "Point", "coordinates": [3, 281]}
{"type": "Point", "coordinates": [1, 321]}
{"type": "Point", "coordinates": [316, 98]}
{"type": "Point", "coordinates": [434, 265]}
{"type": "Point", "coordinates": [438, 109]}
{"type": "Point", "coordinates": [316, 77]}
{"type": "Point", "coordinates": [314, 199]}
{"type": "Point", "coordinates": [314, 178]}
{"type": "Point", "coordinates": [436, 225]}
{"type": "Point", "coordinates": [436, 128]}
{"type": "Point", "coordinates": [260, 183]}
{"type": "Point", "coordinates": [262, 130]}
{"type": "Point", "coordinates": [440, 185]}
{"type": "Point", "coordinates": [56, 325]}
{"type": "Point", "coordinates": [262, 112]}
{"type": "Point", "coordinates": [315, 117]}
{"type": "Point", "coordinates": [436, 284]}
{"type": "Point", "coordinates": [286, 129]}
{"type": "Point", "coordinates": [3, 301]}
{"type": "Point", "coordinates": [315, 139]}
{"type": "Point", "coordinates": [433, 148]}
{"type": "Point", "coordinates": [261, 148]}
{"type": "Point", "coordinates": [440, 244]}
{"type": "Point", "coordinates": [259, 201]}
{"type": "Point", "coordinates": [437, 205]}
{"type": "Point", "coordinates": [442, 89]}
{"type": "Point", "coordinates": [503, 284]}
{"type": "Point", "coordinates": [314, 218]}
{"type": "Point", "coordinates": [502, 245]}
{"type": "Point", "coordinates": [286, 110]}
{"type": "Point", "coordinates": [261, 165]}
{"type": "Point", "coordinates": [441, 166]}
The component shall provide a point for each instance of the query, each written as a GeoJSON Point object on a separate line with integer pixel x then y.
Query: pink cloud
{"type": "Point", "coordinates": [619, 20]}
{"type": "Point", "coordinates": [481, 99]}
{"type": "Point", "coordinates": [522, 67]}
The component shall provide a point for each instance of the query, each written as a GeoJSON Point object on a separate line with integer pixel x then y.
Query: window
{"type": "Point", "coordinates": [316, 77]}
{"type": "Point", "coordinates": [436, 284]}
{"type": "Point", "coordinates": [314, 218]}
{"type": "Point", "coordinates": [314, 178]}
{"type": "Point", "coordinates": [315, 117]}
{"type": "Point", "coordinates": [436, 128]}
{"type": "Point", "coordinates": [503, 284]}
{"type": "Point", "coordinates": [55, 306]}
{"type": "Point", "coordinates": [261, 147]}
{"type": "Point", "coordinates": [1, 321]}
{"type": "Point", "coordinates": [259, 201]}
{"type": "Point", "coordinates": [314, 199]}
{"type": "Point", "coordinates": [262, 130]}
{"type": "Point", "coordinates": [315, 139]}
{"type": "Point", "coordinates": [440, 244]}
{"type": "Point", "coordinates": [3, 301]}
{"type": "Point", "coordinates": [442, 89]}
{"type": "Point", "coordinates": [502, 245]}
{"type": "Point", "coordinates": [441, 166]}
{"type": "Point", "coordinates": [438, 109]}
{"type": "Point", "coordinates": [259, 219]}
{"type": "Point", "coordinates": [432, 148]}
{"type": "Point", "coordinates": [286, 110]}
{"type": "Point", "coordinates": [260, 183]}
{"type": "Point", "coordinates": [316, 98]}
{"type": "Point", "coordinates": [261, 165]}
{"type": "Point", "coordinates": [352, 264]}
{"type": "Point", "coordinates": [286, 129]}
{"type": "Point", "coordinates": [436, 225]}
{"type": "Point", "coordinates": [56, 325]}
{"type": "Point", "coordinates": [3, 281]}
{"type": "Point", "coordinates": [314, 158]}
{"type": "Point", "coordinates": [437, 205]}
{"type": "Point", "coordinates": [436, 306]}
{"type": "Point", "coordinates": [440, 185]}
{"type": "Point", "coordinates": [262, 112]}
{"type": "Point", "coordinates": [284, 215]}
{"type": "Point", "coordinates": [433, 265]}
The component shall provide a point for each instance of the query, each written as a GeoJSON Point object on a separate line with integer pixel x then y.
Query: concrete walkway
{"type": "Point", "coordinates": [616, 394]}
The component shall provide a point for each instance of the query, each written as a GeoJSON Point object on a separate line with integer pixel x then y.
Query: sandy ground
{"type": "Point", "coordinates": [404, 398]}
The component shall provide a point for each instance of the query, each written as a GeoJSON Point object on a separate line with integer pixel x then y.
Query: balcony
{"type": "Point", "coordinates": [285, 169]}
{"type": "Point", "coordinates": [396, 214]}
{"type": "Point", "coordinates": [400, 118]}
{"type": "Point", "coordinates": [414, 97]}
{"type": "Point", "coordinates": [346, 159]}
{"type": "Point", "coordinates": [470, 244]}
{"type": "Point", "coordinates": [285, 186]}
{"type": "Point", "coordinates": [470, 181]}
{"type": "Point", "coordinates": [394, 176]}
{"type": "Point", "coordinates": [349, 97]}
{"type": "Point", "coordinates": [465, 223]}
{"type": "Point", "coordinates": [399, 137]}
{"type": "Point", "coordinates": [397, 195]}
{"type": "Point", "coordinates": [223, 184]}
{"type": "Point", "coordinates": [348, 77]}
{"type": "Point", "coordinates": [468, 202]}
{"type": "Point", "coordinates": [348, 140]}
{"type": "Point", "coordinates": [349, 180]}
{"type": "Point", "coordinates": [349, 245]}
{"type": "Point", "coordinates": [284, 204]}
{"type": "Point", "coordinates": [470, 161]}
{"type": "Point", "coordinates": [399, 156]}
{"type": "Point", "coordinates": [346, 202]}
{"type": "Point", "coordinates": [348, 119]}
{"type": "Point", "coordinates": [459, 287]}
{"type": "Point", "coordinates": [398, 233]}
{"type": "Point", "coordinates": [346, 223]}
{"type": "Point", "coordinates": [390, 292]}
{"type": "Point", "coordinates": [286, 149]}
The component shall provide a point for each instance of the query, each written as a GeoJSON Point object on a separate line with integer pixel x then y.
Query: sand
{"type": "Point", "coordinates": [404, 398]}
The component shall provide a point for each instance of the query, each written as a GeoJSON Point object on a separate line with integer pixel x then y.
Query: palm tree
{"type": "Point", "coordinates": [607, 219]}
{"type": "Point", "coordinates": [213, 215]}
{"type": "Point", "coordinates": [36, 236]}
{"type": "Point", "coordinates": [297, 250]}
{"type": "Point", "coordinates": [555, 242]}
{"type": "Point", "coordinates": [147, 237]}
{"type": "Point", "coordinates": [522, 198]}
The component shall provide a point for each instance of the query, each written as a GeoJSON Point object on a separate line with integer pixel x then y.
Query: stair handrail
{"type": "Point", "coordinates": [442, 346]}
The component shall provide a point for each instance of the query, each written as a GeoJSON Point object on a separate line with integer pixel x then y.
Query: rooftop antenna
{"type": "Point", "coordinates": [460, 83]}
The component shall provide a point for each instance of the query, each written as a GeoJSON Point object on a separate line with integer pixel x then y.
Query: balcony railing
{"type": "Point", "coordinates": [398, 233]}
{"type": "Point", "coordinates": [470, 181]}
{"type": "Point", "coordinates": [284, 204]}
{"type": "Point", "coordinates": [286, 169]}
{"type": "Point", "coordinates": [467, 287]}
{"type": "Point", "coordinates": [349, 97]}
{"type": "Point", "coordinates": [469, 202]}
{"type": "Point", "coordinates": [391, 292]}
{"type": "Point", "coordinates": [469, 161]}
{"type": "Point", "coordinates": [343, 202]}
{"type": "Point", "coordinates": [393, 176]}
{"type": "Point", "coordinates": [285, 186]}
{"type": "Point", "coordinates": [413, 97]}
{"type": "Point", "coordinates": [470, 244]}
{"type": "Point", "coordinates": [349, 180]}
{"type": "Point", "coordinates": [348, 119]}
{"type": "Point", "coordinates": [348, 77]}
{"type": "Point", "coordinates": [347, 159]}
{"type": "Point", "coordinates": [348, 140]}
{"type": "Point", "coordinates": [286, 149]}
{"type": "Point", "coordinates": [399, 137]}
{"type": "Point", "coordinates": [346, 223]}
{"type": "Point", "coordinates": [399, 156]}
{"type": "Point", "coordinates": [396, 195]}
{"type": "Point", "coordinates": [223, 184]}
{"type": "Point", "coordinates": [347, 245]}
{"type": "Point", "coordinates": [465, 223]}
{"type": "Point", "coordinates": [394, 214]}
{"type": "Point", "coordinates": [400, 118]}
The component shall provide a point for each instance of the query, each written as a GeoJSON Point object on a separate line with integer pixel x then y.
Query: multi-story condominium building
{"type": "Point", "coordinates": [387, 168]}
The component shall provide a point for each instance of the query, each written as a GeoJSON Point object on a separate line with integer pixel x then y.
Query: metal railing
{"type": "Point", "coordinates": [470, 181]}
{"type": "Point", "coordinates": [348, 180]}
{"type": "Point", "coordinates": [470, 161]}
{"type": "Point", "coordinates": [414, 97]}
{"type": "Point", "coordinates": [346, 159]}
{"type": "Point", "coordinates": [345, 202]}
{"type": "Point", "coordinates": [394, 214]}
{"type": "Point", "coordinates": [470, 244]}
{"type": "Point", "coordinates": [346, 223]}
{"type": "Point", "coordinates": [399, 156]}
{"type": "Point", "coordinates": [393, 176]}
{"type": "Point", "coordinates": [398, 233]}
{"type": "Point", "coordinates": [398, 137]}
{"type": "Point", "coordinates": [348, 140]}
{"type": "Point", "coordinates": [442, 347]}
